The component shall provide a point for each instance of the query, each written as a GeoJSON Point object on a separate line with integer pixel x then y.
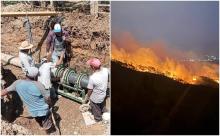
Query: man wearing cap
{"type": "Point", "coordinates": [31, 93]}
{"type": "Point", "coordinates": [56, 44]}
{"type": "Point", "coordinates": [97, 88]}
{"type": "Point", "coordinates": [25, 56]}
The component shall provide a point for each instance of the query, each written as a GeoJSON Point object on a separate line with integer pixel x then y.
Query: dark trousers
{"type": "Point", "coordinates": [97, 109]}
{"type": "Point", "coordinates": [45, 121]}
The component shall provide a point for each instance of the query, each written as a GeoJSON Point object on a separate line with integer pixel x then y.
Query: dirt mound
{"type": "Point", "coordinates": [13, 129]}
{"type": "Point", "coordinates": [17, 7]}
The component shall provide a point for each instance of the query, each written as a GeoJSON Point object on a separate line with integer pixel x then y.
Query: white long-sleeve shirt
{"type": "Point", "coordinates": [26, 61]}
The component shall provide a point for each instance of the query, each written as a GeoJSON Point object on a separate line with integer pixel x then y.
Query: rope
{"type": "Point", "coordinates": [28, 28]}
{"type": "Point", "coordinates": [54, 121]}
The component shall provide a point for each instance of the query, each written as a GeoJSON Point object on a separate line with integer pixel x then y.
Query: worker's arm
{"type": "Point", "coordinates": [11, 88]}
{"type": "Point", "coordinates": [4, 92]}
{"type": "Point", "coordinates": [60, 61]}
{"type": "Point", "coordinates": [49, 101]}
{"type": "Point", "coordinates": [49, 41]}
{"type": "Point", "coordinates": [49, 54]}
{"type": "Point", "coordinates": [65, 34]}
{"type": "Point", "coordinates": [49, 48]}
{"type": "Point", "coordinates": [48, 44]}
{"type": "Point", "coordinates": [89, 93]}
{"type": "Point", "coordinates": [49, 51]}
{"type": "Point", "coordinates": [90, 89]}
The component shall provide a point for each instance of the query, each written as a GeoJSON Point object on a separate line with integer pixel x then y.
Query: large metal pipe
{"type": "Point", "coordinates": [68, 75]}
{"type": "Point", "coordinates": [10, 59]}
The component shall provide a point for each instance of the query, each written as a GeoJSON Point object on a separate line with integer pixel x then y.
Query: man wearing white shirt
{"type": "Point", "coordinates": [97, 88]}
{"type": "Point", "coordinates": [25, 56]}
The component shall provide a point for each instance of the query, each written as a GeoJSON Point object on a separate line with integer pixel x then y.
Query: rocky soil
{"type": "Point", "coordinates": [89, 37]}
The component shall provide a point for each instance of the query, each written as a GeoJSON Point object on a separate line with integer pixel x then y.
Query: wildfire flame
{"type": "Point", "coordinates": [140, 58]}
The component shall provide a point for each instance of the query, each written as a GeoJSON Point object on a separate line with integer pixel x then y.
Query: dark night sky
{"type": "Point", "coordinates": [187, 26]}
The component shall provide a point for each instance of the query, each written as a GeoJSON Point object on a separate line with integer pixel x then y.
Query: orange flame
{"type": "Point", "coordinates": [143, 59]}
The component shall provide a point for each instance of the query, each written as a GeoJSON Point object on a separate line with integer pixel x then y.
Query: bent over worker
{"type": "Point", "coordinates": [44, 69]}
{"type": "Point", "coordinates": [56, 44]}
{"type": "Point", "coordinates": [31, 93]}
{"type": "Point", "coordinates": [97, 88]}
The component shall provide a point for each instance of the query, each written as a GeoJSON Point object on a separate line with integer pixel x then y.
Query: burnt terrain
{"type": "Point", "coordinates": [147, 103]}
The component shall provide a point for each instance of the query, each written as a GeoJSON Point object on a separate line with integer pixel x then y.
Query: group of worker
{"type": "Point", "coordinates": [37, 93]}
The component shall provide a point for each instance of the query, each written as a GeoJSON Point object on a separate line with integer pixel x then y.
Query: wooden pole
{"type": "Point", "coordinates": [94, 7]}
{"type": "Point", "coordinates": [41, 13]}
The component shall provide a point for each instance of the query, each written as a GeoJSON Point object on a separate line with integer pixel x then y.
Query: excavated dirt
{"type": "Point", "coordinates": [13, 129]}
{"type": "Point", "coordinates": [89, 37]}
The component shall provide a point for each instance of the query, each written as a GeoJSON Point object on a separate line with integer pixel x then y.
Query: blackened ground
{"type": "Point", "coordinates": [146, 103]}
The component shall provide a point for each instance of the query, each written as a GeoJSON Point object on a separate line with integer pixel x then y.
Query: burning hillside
{"type": "Point", "coordinates": [152, 57]}
{"type": "Point", "coordinates": [149, 103]}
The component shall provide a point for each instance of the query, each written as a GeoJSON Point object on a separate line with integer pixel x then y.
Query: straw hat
{"type": "Point", "coordinates": [25, 45]}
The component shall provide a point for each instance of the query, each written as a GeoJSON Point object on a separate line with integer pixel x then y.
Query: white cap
{"type": "Point", "coordinates": [57, 28]}
{"type": "Point", "coordinates": [32, 72]}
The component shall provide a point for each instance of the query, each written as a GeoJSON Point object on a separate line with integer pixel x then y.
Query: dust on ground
{"type": "Point", "coordinates": [13, 129]}
{"type": "Point", "coordinates": [89, 37]}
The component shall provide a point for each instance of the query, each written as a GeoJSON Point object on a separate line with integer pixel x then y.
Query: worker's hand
{"type": "Point", "coordinates": [62, 55]}
{"type": "Point", "coordinates": [56, 65]}
{"type": "Point", "coordinates": [49, 54]}
{"type": "Point", "coordinates": [61, 59]}
{"type": "Point", "coordinates": [64, 38]}
{"type": "Point", "coordinates": [3, 92]}
{"type": "Point", "coordinates": [49, 101]}
{"type": "Point", "coordinates": [86, 100]}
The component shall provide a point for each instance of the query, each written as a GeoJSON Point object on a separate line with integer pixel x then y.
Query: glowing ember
{"type": "Point", "coordinates": [194, 78]}
{"type": "Point", "coordinates": [143, 59]}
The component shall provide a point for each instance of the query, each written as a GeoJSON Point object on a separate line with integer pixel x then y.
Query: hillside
{"type": "Point", "coordinates": [150, 103]}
